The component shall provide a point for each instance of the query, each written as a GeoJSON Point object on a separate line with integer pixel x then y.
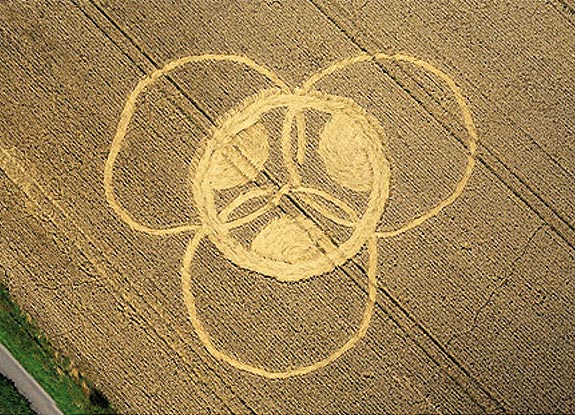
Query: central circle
{"type": "Point", "coordinates": [329, 256]}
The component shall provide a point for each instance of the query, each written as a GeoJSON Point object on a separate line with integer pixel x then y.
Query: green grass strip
{"type": "Point", "coordinates": [11, 402]}
{"type": "Point", "coordinates": [72, 393]}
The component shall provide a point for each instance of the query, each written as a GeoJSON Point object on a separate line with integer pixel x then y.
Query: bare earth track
{"type": "Point", "coordinates": [470, 311]}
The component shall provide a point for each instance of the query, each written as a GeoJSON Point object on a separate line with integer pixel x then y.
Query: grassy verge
{"type": "Point", "coordinates": [11, 402]}
{"type": "Point", "coordinates": [70, 390]}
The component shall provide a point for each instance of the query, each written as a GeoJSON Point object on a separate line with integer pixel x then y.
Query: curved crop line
{"type": "Point", "coordinates": [352, 215]}
{"type": "Point", "coordinates": [465, 112]}
{"type": "Point", "coordinates": [189, 300]}
{"type": "Point", "coordinates": [126, 117]}
{"type": "Point", "coordinates": [240, 200]}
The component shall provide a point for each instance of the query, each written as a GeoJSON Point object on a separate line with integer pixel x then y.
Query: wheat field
{"type": "Point", "coordinates": [296, 206]}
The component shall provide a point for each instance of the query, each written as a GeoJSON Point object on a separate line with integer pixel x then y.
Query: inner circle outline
{"type": "Point", "coordinates": [246, 114]}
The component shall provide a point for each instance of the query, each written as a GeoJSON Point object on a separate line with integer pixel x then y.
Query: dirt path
{"type": "Point", "coordinates": [40, 401]}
